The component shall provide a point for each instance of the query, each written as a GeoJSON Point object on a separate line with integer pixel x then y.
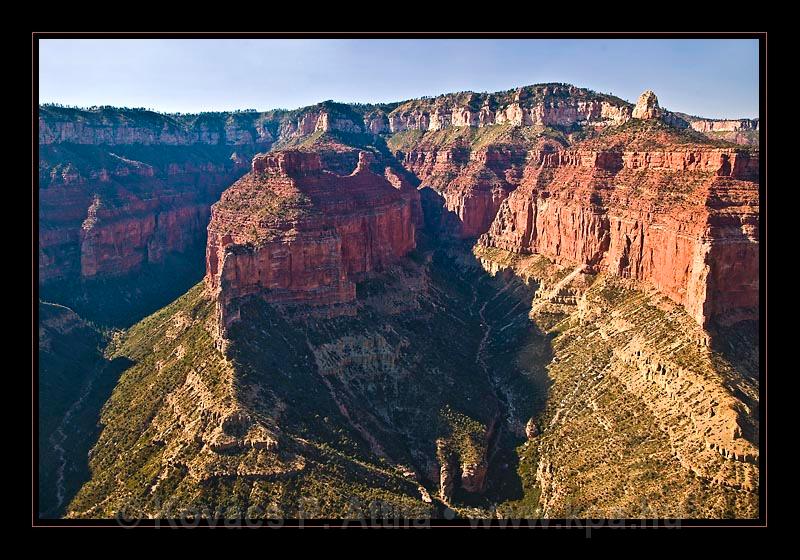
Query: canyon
{"type": "Point", "coordinates": [585, 262]}
{"type": "Point", "coordinates": [123, 187]}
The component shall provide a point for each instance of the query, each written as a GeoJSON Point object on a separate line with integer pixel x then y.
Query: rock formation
{"type": "Point", "coordinates": [108, 222]}
{"type": "Point", "coordinates": [560, 105]}
{"type": "Point", "coordinates": [291, 231]}
{"type": "Point", "coordinates": [101, 167]}
{"type": "Point", "coordinates": [468, 185]}
{"type": "Point", "coordinates": [709, 125]}
{"type": "Point", "coordinates": [120, 188]}
{"type": "Point", "coordinates": [647, 106]}
{"type": "Point", "coordinates": [683, 218]}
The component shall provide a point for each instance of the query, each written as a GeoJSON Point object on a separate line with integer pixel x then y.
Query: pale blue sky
{"type": "Point", "coordinates": [711, 78]}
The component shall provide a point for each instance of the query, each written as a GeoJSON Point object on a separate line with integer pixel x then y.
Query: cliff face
{"type": "Point", "coordinates": [106, 213]}
{"type": "Point", "coordinates": [468, 185]}
{"type": "Point", "coordinates": [542, 105]}
{"type": "Point", "coordinates": [291, 231]}
{"type": "Point", "coordinates": [122, 188]}
{"type": "Point", "coordinates": [737, 125]}
{"type": "Point", "coordinates": [320, 120]}
{"type": "Point", "coordinates": [475, 195]}
{"type": "Point", "coordinates": [683, 218]}
{"type": "Point", "coordinates": [561, 106]}
{"type": "Point", "coordinates": [94, 160]}
{"type": "Point", "coordinates": [111, 126]}
{"type": "Point", "coordinates": [114, 127]}
{"type": "Point", "coordinates": [470, 159]}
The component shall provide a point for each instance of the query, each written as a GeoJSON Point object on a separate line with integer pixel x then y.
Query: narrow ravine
{"type": "Point", "coordinates": [58, 438]}
{"type": "Point", "coordinates": [480, 361]}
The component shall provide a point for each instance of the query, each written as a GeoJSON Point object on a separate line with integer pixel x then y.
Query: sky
{"type": "Point", "coordinates": [715, 78]}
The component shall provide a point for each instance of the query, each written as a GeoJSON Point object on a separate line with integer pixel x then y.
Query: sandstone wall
{"type": "Point", "coordinates": [684, 221]}
{"type": "Point", "coordinates": [324, 233]}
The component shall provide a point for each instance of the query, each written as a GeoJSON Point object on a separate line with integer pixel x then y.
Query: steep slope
{"type": "Point", "coordinates": [642, 418]}
{"type": "Point", "coordinates": [75, 379]}
{"type": "Point", "coordinates": [61, 334]}
{"type": "Point", "coordinates": [303, 415]}
{"type": "Point", "coordinates": [561, 393]}
{"type": "Point", "coordinates": [595, 354]}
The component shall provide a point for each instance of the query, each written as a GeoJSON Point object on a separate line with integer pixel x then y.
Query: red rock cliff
{"type": "Point", "coordinates": [468, 185]}
{"type": "Point", "coordinates": [107, 214]}
{"type": "Point", "coordinates": [291, 231]}
{"type": "Point", "coordinates": [683, 218]}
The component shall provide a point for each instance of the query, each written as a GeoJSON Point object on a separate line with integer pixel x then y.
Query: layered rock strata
{"type": "Point", "coordinates": [543, 105]}
{"type": "Point", "coordinates": [466, 185]}
{"type": "Point", "coordinates": [110, 126]}
{"type": "Point", "coordinates": [682, 218]}
{"type": "Point", "coordinates": [120, 188]}
{"type": "Point", "coordinates": [102, 164]}
{"type": "Point", "coordinates": [291, 231]}
{"type": "Point", "coordinates": [553, 105]}
{"type": "Point", "coordinates": [107, 215]}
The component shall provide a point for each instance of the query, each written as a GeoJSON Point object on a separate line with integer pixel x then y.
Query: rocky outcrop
{"type": "Point", "coordinates": [736, 125]}
{"type": "Point", "coordinates": [473, 477]}
{"type": "Point", "coordinates": [558, 105]}
{"type": "Point", "coordinates": [531, 429]}
{"type": "Point", "coordinates": [682, 219]}
{"type": "Point", "coordinates": [647, 106]}
{"type": "Point", "coordinates": [291, 231]}
{"type": "Point", "coordinates": [732, 130]}
{"type": "Point", "coordinates": [400, 182]}
{"type": "Point", "coordinates": [376, 122]}
{"type": "Point", "coordinates": [327, 117]}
